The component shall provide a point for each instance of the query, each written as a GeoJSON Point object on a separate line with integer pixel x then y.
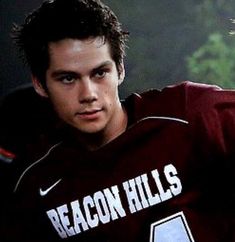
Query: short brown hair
{"type": "Point", "coordinates": [55, 20]}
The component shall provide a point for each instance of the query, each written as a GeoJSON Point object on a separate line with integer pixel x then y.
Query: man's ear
{"type": "Point", "coordinates": [121, 72]}
{"type": "Point", "coordinates": [38, 87]}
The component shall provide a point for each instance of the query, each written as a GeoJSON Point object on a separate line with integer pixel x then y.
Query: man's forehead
{"type": "Point", "coordinates": [98, 42]}
{"type": "Point", "coordinates": [73, 54]}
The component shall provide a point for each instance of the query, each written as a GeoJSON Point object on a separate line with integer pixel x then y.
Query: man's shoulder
{"type": "Point", "coordinates": [169, 101]}
{"type": "Point", "coordinates": [189, 93]}
{"type": "Point", "coordinates": [39, 168]}
{"type": "Point", "coordinates": [181, 88]}
{"type": "Point", "coordinates": [179, 100]}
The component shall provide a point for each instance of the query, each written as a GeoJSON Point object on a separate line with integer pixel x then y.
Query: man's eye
{"type": "Point", "coordinates": [100, 73]}
{"type": "Point", "coordinates": [67, 79]}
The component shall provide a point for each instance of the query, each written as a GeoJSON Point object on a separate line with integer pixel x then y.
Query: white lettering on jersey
{"type": "Point", "coordinates": [102, 207]}
{"type": "Point", "coordinates": [79, 220]}
{"type": "Point", "coordinates": [106, 205]}
{"type": "Point", "coordinates": [132, 196]}
{"type": "Point", "coordinates": [164, 195]}
{"type": "Point", "coordinates": [152, 199]}
{"type": "Point", "coordinates": [54, 217]}
{"type": "Point", "coordinates": [92, 219]}
{"type": "Point", "coordinates": [171, 176]}
{"type": "Point", "coordinates": [135, 188]}
{"type": "Point", "coordinates": [63, 214]}
{"type": "Point", "coordinates": [114, 202]}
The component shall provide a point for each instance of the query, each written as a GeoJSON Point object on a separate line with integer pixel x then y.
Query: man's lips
{"type": "Point", "coordinates": [89, 113]}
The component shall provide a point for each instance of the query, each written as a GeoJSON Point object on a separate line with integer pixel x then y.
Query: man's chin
{"type": "Point", "coordinates": [90, 129]}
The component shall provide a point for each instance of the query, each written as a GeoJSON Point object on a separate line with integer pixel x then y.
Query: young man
{"type": "Point", "coordinates": [157, 167]}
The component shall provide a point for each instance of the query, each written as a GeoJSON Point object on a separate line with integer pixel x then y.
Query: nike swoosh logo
{"type": "Point", "coordinates": [45, 192]}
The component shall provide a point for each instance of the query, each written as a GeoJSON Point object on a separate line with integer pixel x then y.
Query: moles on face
{"type": "Point", "coordinates": [82, 83]}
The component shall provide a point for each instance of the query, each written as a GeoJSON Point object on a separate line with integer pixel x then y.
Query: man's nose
{"type": "Point", "coordinates": [87, 91]}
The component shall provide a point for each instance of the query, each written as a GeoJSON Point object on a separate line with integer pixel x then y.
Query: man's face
{"type": "Point", "coordinates": [82, 83]}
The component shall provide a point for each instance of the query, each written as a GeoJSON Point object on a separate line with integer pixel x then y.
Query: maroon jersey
{"type": "Point", "coordinates": [168, 177]}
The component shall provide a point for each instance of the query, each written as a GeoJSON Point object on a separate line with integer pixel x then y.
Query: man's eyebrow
{"type": "Point", "coordinates": [61, 72]}
{"type": "Point", "coordinates": [103, 64]}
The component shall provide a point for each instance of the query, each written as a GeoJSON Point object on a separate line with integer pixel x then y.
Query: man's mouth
{"type": "Point", "coordinates": [89, 113]}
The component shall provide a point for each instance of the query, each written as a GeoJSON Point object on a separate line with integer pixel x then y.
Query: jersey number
{"type": "Point", "coordinates": [173, 228]}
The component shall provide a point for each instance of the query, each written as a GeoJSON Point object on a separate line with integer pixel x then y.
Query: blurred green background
{"type": "Point", "coordinates": [170, 41]}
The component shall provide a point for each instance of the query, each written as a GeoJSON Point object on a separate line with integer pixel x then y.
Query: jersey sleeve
{"type": "Point", "coordinates": [210, 111]}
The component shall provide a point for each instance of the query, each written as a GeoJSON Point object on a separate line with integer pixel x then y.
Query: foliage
{"type": "Point", "coordinates": [165, 33]}
{"type": "Point", "coordinates": [213, 62]}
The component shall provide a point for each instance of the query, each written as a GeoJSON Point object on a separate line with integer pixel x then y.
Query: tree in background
{"type": "Point", "coordinates": [165, 35]}
{"type": "Point", "coordinates": [161, 34]}
{"type": "Point", "coordinates": [214, 62]}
